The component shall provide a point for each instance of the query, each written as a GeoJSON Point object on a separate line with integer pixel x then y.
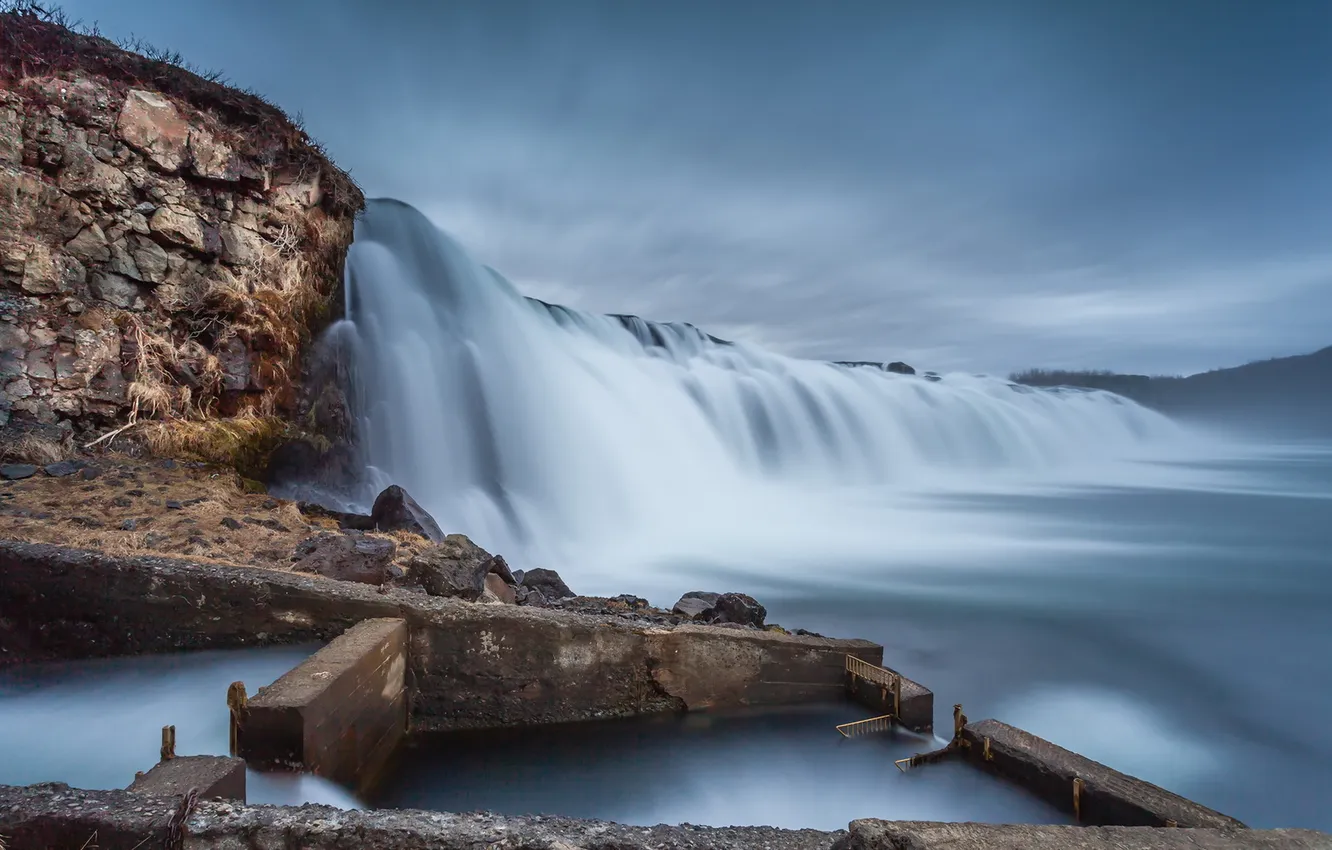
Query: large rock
{"type": "Point", "coordinates": [178, 226]}
{"type": "Point", "coordinates": [396, 510]}
{"type": "Point", "coordinates": [736, 608]}
{"type": "Point", "coordinates": [347, 557]}
{"type": "Point", "coordinates": [900, 368]}
{"type": "Point", "coordinates": [455, 567]}
{"type": "Point", "coordinates": [151, 124]}
{"type": "Point", "coordinates": [695, 602]}
{"type": "Point", "coordinates": [548, 583]}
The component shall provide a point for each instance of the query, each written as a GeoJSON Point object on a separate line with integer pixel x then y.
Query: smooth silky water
{"type": "Point", "coordinates": [1152, 595]}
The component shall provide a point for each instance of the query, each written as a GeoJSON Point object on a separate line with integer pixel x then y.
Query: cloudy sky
{"type": "Point", "coordinates": [1128, 184]}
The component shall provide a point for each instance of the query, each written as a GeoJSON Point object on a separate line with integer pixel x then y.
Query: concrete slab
{"type": "Point", "coordinates": [916, 711]}
{"type": "Point", "coordinates": [340, 714]}
{"type": "Point", "coordinates": [216, 777]}
{"type": "Point", "coordinates": [1105, 796]}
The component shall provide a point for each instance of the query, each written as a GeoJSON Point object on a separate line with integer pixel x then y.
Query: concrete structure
{"type": "Point", "coordinates": [44, 816]}
{"type": "Point", "coordinates": [1094, 793]}
{"type": "Point", "coordinates": [469, 665]}
{"type": "Point", "coordinates": [885, 691]}
{"type": "Point", "coordinates": [215, 777]}
{"type": "Point", "coordinates": [340, 714]}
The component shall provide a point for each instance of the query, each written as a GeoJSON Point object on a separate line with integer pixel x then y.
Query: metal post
{"type": "Point", "coordinates": [236, 701]}
{"type": "Point", "coordinates": [168, 743]}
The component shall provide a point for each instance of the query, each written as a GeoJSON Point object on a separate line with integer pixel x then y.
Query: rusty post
{"type": "Point", "coordinates": [236, 701]}
{"type": "Point", "coordinates": [168, 743]}
{"type": "Point", "coordinates": [1077, 798]}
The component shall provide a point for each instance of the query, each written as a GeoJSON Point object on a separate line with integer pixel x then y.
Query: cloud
{"type": "Point", "coordinates": [969, 185]}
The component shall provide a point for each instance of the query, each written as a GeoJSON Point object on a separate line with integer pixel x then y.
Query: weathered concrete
{"type": "Point", "coordinates": [339, 714]}
{"type": "Point", "coordinates": [911, 835]}
{"type": "Point", "coordinates": [471, 665]}
{"type": "Point", "coordinates": [44, 816]}
{"type": "Point", "coordinates": [216, 777]}
{"type": "Point", "coordinates": [916, 711]}
{"type": "Point", "coordinates": [1106, 796]}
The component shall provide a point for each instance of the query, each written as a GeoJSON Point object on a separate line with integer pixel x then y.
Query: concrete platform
{"type": "Point", "coordinates": [216, 778]}
{"type": "Point", "coordinates": [1104, 795]}
{"type": "Point", "coordinates": [43, 816]}
{"type": "Point", "coordinates": [469, 665]}
{"type": "Point", "coordinates": [339, 714]}
{"type": "Point", "coordinates": [916, 708]}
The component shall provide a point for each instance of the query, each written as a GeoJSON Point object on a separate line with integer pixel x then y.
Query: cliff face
{"type": "Point", "coordinates": [168, 246]}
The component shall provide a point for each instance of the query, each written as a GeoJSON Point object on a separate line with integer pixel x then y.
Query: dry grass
{"type": "Point", "coordinates": [124, 511]}
{"type": "Point", "coordinates": [242, 443]}
{"type": "Point", "coordinates": [31, 448]}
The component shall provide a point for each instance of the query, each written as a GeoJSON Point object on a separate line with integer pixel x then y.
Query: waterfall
{"type": "Point", "coordinates": [542, 430]}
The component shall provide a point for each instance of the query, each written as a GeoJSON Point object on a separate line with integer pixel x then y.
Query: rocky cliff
{"type": "Point", "coordinates": [168, 245]}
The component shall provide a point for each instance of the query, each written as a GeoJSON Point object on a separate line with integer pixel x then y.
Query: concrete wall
{"type": "Point", "coordinates": [470, 665]}
{"type": "Point", "coordinates": [340, 714]}
{"type": "Point", "coordinates": [1105, 796]}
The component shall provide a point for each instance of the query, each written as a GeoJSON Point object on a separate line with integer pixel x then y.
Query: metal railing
{"type": "Point", "coordinates": [887, 680]}
{"type": "Point", "coordinates": [883, 723]}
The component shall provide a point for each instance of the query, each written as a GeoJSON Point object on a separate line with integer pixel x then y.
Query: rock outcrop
{"type": "Point", "coordinates": [168, 245]}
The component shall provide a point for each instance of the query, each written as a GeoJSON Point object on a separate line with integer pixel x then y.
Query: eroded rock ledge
{"type": "Point", "coordinates": [44, 816]}
{"type": "Point", "coordinates": [168, 245]}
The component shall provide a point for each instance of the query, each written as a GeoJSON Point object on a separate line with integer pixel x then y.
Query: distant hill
{"type": "Point", "coordinates": [1288, 391]}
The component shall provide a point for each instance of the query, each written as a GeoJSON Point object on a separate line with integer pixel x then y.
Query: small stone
{"type": "Point", "coordinates": [135, 492]}
{"type": "Point", "coordinates": [61, 468]}
{"type": "Point", "coordinates": [122, 502]}
{"type": "Point", "coordinates": [88, 473]}
{"type": "Point", "coordinates": [129, 525]}
{"type": "Point", "coordinates": [271, 504]}
{"type": "Point", "coordinates": [116, 289]}
{"type": "Point", "coordinates": [231, 523]}
{"type": "Point", "coordinates": [168, 464]}
{"type": "Point", "coordinates": [86, 522]}
{"type": "Point", "coordinates": [17, 471]}
{"type": "Point", "coordinates": [173, 505]}
{"type": "Point", "coordinates": [152, 260]}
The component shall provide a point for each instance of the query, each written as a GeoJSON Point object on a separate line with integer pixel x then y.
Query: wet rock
{"type": "Point", "coordinates": [346, 557]}
{"type": "Point", "coordinates": [454, 567]}
{"type": "Point", "coordinates": [548, 583]}
{"type": "Point", "coordinates": [231, 523]}
{"type": "Point", "coordinates": [17, 471]}
{"type": "Point", "coordinates": [695, 602]}
{"type": "Point", "coordinates": [737, 608]}
{"type": "Point", "coordinates": [900, 368]}
{"type": "Point", "coordinates": [61, 469]}
{"type": "Point", "coordinates": [396, 510]}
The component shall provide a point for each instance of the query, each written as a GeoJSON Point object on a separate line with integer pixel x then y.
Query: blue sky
{"type": "Point", "coordinates": [1139, 186]}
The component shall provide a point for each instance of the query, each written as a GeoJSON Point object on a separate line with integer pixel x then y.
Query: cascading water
{"type": "Point", "coordinates": [592, 441]}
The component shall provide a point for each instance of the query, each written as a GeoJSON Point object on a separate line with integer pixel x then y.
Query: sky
{"type": "Point", "coordinates": [982, 186]}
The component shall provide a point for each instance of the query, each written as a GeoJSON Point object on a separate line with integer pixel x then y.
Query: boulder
{"type": "Point", "coordinates": [150, 124]}
{"type": "Point", "coordinates": [500, 589]}
{"type": "Point", "coordinates": [347, 557]}
{"type": "Point", "coordinates": [178, 226]}
{"type": "Point", "coordinates": [736, 608]}
{"type": "Point", "coordinates": [455, 567]}
{"type": "Point", "coordinates": [548, 583]}
{"type": "Point", "coordinates": [695, 602]}
{"type": "Point", "coordinates": [396, 510]}
{"type": "Point", "coordinates": [900, 368]}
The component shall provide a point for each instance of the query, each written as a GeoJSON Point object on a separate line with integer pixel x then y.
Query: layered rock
{"type": "Point", "coordinates": [168, 246]}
